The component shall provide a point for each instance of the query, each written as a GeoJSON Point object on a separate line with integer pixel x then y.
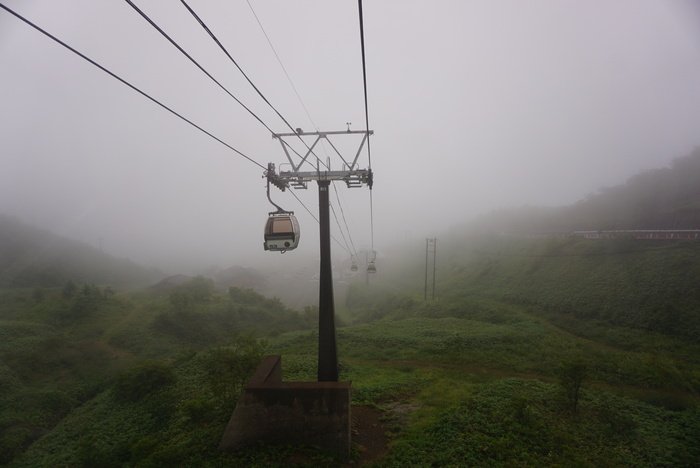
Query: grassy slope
{"type": "Point", "coordinates": [634, 284]}
{"type": "Point", "coordinates": [479, 375]}
{"type": "Point", "coordinates": [57, 365]}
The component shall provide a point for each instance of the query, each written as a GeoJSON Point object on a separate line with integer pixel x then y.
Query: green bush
{"type": "Point", "coordinates": [572, 374]}
{"type": "Point", "coordinates": [515, 422]}
{"type": "Point", "coordinates": [198, 411]}
{"type": "Point", "coordinates": [229, 367]}
{"type": "Point", "coordinates": [144, 379]}
{"type": "Point", "coordinates": [143, 448]}
{"type": "Point", "coordinates": [12, 442]}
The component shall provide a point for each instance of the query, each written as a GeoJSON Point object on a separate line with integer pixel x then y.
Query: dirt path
{"type": "Point", "coordinates": [368, 434]}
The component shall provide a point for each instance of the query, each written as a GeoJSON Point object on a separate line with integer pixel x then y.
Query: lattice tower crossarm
{"type": "Point", "coordinates": [353, 176]}
{"type": "Point", "coordinates": [351, 165]}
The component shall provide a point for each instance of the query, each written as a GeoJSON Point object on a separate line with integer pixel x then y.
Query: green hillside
{"type": "Point", "coordinates": [32, 257]}
{"type": "Point", "coordinates": [65, 356]}
{"type": "Point", "coordinates": [150, 379]}
{"type": "Point", "coordinates": [630, 283]}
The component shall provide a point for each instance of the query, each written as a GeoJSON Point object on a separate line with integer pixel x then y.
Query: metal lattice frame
{"type": "Point", "coordinates": [353, 176]}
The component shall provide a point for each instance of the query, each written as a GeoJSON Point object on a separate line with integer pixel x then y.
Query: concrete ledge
{"type": "Point", "coordinates": [272, 411]}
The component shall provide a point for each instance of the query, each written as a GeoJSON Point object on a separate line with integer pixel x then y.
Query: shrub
{"type": "Point", "coordinates": [143, 448]}
{"type": "Point", "coordinates": [228, 368]}
{"type": "Point", "coordinates": [199, 410]}
{"type": "Point", "coordinates": [143, 379]}
{"type": "Point", "coordinates": [572, 373]}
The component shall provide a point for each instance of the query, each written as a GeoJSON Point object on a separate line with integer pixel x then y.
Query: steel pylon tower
{"type": "Point", "coordinates": [353, 177]}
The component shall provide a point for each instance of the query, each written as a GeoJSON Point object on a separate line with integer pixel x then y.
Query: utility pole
{"type": "Point", "coordinates": [434, 267]}
{"type": "Point", "coordinates": [430, 245]}
{"type": "Point", "coordinates": [425, 288]}
{"type": "Point", "coordinates": [353, 177]}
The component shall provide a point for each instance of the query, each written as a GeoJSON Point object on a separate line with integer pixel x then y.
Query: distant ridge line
{"type": "Point", "coordinates": [651, 234]}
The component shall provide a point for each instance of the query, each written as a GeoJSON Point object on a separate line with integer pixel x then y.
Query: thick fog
{"type": "Point", "coordinates": [475, 105]}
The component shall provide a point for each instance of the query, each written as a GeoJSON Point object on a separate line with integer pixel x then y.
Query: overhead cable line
{"type": "Point", "coordinates": [350, 246]}
{"type": "Point", "coordinates": [347, 246]}
{"type": "Point", "coordinates": [152, 23]}
{"type": "Point", "coordinates": [316, 219]}
{"type": "Point", "coordinates": [225, 51]}
{"type": "Point", "coordinates": [284, 69]}
{"type": "Point", "coordinates": [117, 77]}
{"type": "Point", "coordinates": [337, 222]}
{"type": "Point", "coordinates": [347, 228]}
{"type": "Point", "coordinates": [364, 81]}
{"type": "Point", "coordinates": [174, 43]}
{"type": "Point", "coordinates": [113, 75]}
{"type": "Point", "coordinates": [282, 65]}
{"type": "Point", "coordinates": [371, 217]}
{"type": "Point", "coordinates": [221, 46]}
{"type": "Point", "coordinates": [164, 34]}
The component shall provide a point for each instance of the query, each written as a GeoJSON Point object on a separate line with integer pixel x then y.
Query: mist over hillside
{"type": "Point", "coordinates": [33, 257]}
{"type": "Point", "coordinates": [663, 198]}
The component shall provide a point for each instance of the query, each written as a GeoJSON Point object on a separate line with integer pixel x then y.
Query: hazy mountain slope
{"type": "Point", "coordinates": [637, 284]}
{"type": "Point", "coordinates": [32, 257]}
{"type": "Point", "coordinates": [666, 198]}
{"type": "Point", "coordinates": [627, 282]}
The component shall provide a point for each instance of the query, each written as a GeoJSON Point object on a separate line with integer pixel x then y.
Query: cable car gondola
{"type": "Point", "coordinates": [282, 228]}
{"type": "Point", "coordinates": [371, 267]}
{"type": "Point", "coordinates": [281, 232]}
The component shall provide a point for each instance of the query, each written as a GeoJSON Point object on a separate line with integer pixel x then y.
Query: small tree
{"type": "Point", "coordinates": [85, 301]}
{"type": "Point", "coordinates": [229, 367]}
{"type": "Point", "coordinates": [38, 294]}
{"type": "Point", "coordinates": [144, 379]}
{"type": "Point", "coordinates": [201, 289]}
{"type": "Point", "coordinates": [196, 291]}
{"type": "Point", "coordinates": [572, 373]}
{"type": "Point", "coordinates": [180, 300]}
{"type": "Point", "coordinates": [107, 292]}
{"type": "Point", "coordinates": [69, 290]}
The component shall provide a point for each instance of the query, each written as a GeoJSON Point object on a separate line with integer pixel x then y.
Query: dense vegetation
{"type": "Point", "coordinates": [97, 375]}
{"type": "Point", "coordinates": [537, 352]}
{"type": "Point", "coordinates": [624, 282]}
{"type": "Point", "coordinates": [478, 377]}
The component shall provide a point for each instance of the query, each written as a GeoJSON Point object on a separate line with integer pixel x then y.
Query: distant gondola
{"type": "Point", "coordinates": [371, 268]}
{"type": "Point", "coordinates": [281, 232]}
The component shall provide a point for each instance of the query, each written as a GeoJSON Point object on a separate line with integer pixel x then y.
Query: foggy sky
{"type": "Point", "coordinates": [475, 105]}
